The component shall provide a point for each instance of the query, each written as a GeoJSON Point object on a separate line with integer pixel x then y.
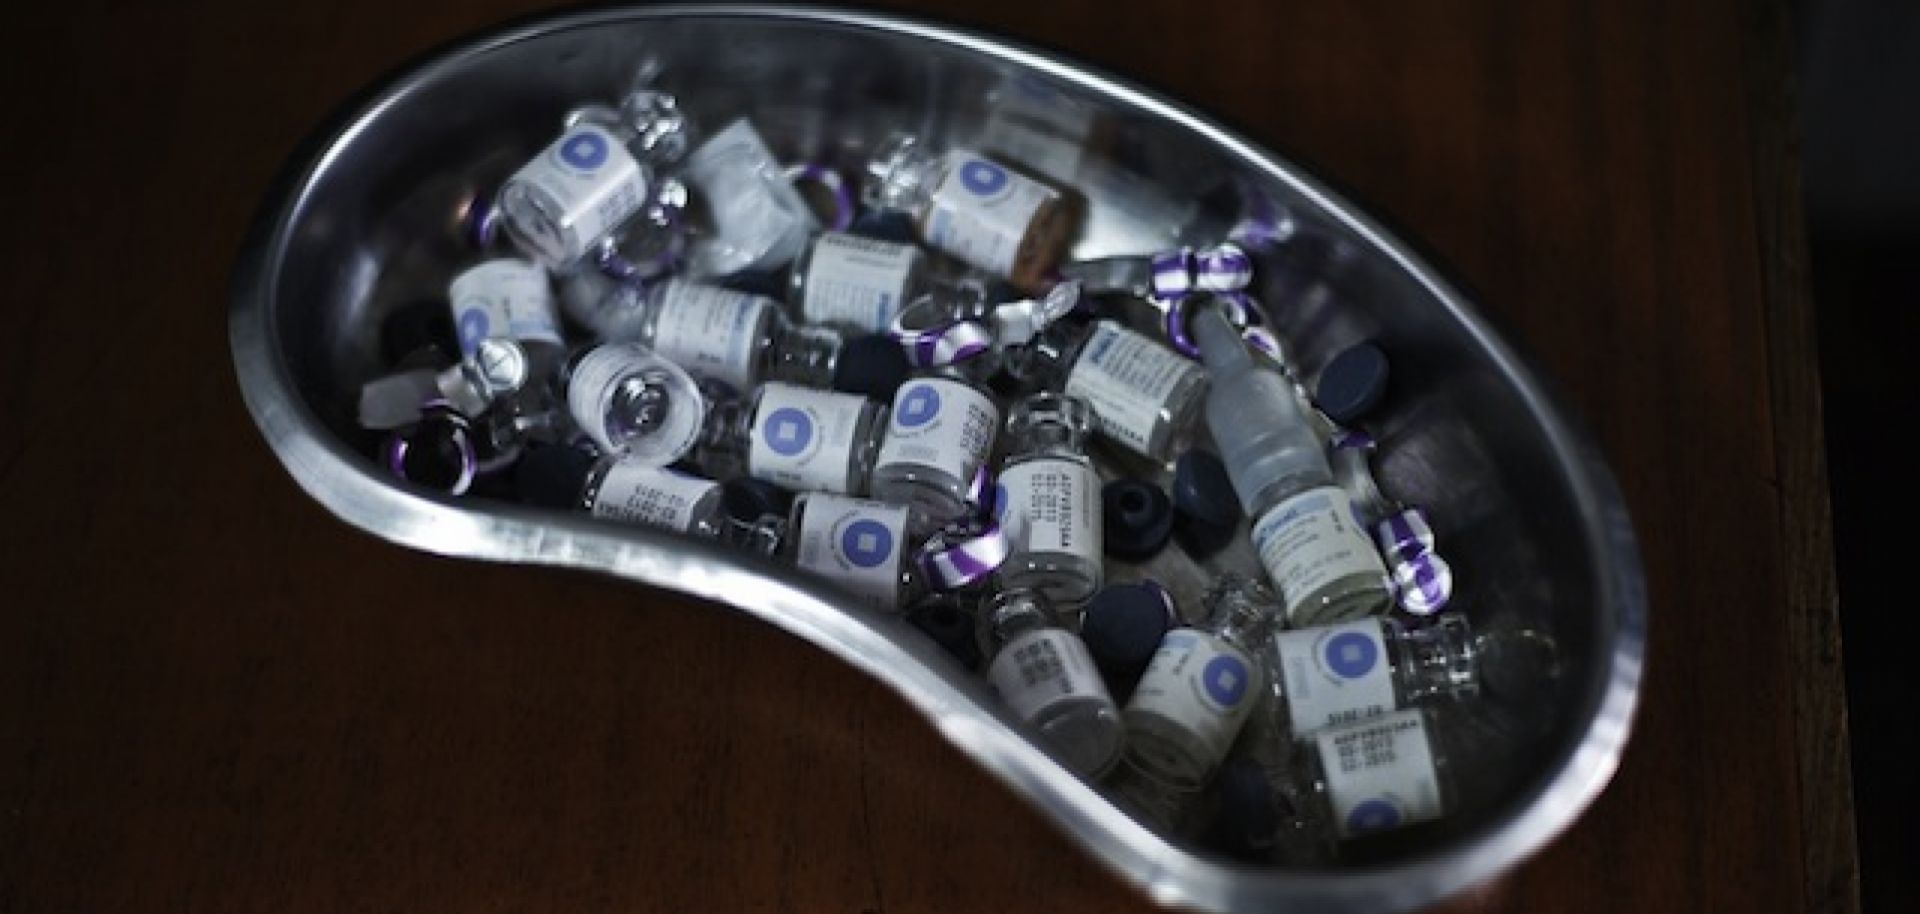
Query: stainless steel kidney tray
{"type": "Point", "coordinates": [1525, 509]}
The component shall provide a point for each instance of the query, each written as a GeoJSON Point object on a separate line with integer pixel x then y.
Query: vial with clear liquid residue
{"type": "Point", "coordinates": [1145, 396]}
{"type": "Point", "coordinates": [938, 438]}
{"type": "Point", "coordinates": [1336, 674]}
{"type": "Point", "coordinates": [856, 284]}
{"type": "Point", "coordinates": [868, 549]}
{"type": "Point", "coordinates": [1048, 497]}
{"type": "Point", "coordinates": [631, 401]}
{"type": "Point", "coordinates": [736, 338]}
{"type": "Point", "coordinates": [593, 178]}
{"type": "Point", "coordinates": [1199, 689]}
{"type": "Point", "coordinates": [1305, 529]}
{"type": "Point", "coordinates": [1044, 674]}
{"type": "Point", "coordinates": [795, 437]}
{"type": "Point", "coordinates": [975, 209]}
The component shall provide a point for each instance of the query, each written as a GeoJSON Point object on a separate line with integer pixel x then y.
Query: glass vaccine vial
{"type": "Point", "coordinates": [754, 218]}
{"type": "Point", "coordinates": [978, 210]}
{"type": "Point", "coordinates": [1372, 776]}
{"type": "Point", "coordinates": [868, 549]}
{"type": "Point", "coordinates": [593, 178]}
{"type": "Point", "coordinates": [508, 297]}
{"type": "Point", "coordinates": [795, 437]}
{"type": "Point", "coordinates": [1045, 676]}
{"type": "Point", "coordinates": [939, 436]}
{"type": "Point", "coordinates": [1199, 689]}
{"type": "Point", "coordinates": [1048, 496]}
{"type": "Point", "coordinates": [1331, 675]}
{"type": "Point", "coordinates": [736, 338]}
{"type": "Point", "coordinates": [856, 284]}
{"type": "Point", "coordinates": [633, 402]}
{"type": "Point", "coordinates": [1305, 530]}
{"type": "Point", "coordinates": [1145, 396]}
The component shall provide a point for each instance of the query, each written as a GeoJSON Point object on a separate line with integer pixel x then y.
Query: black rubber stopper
{"type": "Point", "coordinates": [1247, 817]}
{"type": "Point", "coordinates": [1139, 518]}
{"type": "Point", "coordinates": [951, 627]}
{"type": "Point", "coordinates": [886, 225]}
{"type": "Point", "coordinates": [415, 326]}
{"type": "Point", "coordinates": [746, 499]}
{"type": "Point", "coordinates": [551, 476]}
{"type": "Point", "coordinates": [1122, 627]}
{"type": "Point", "coordinates": [872, 366]}
{"type": "Point", "coordinates": [1352, 384]}
{"type": "Point", "coordinates": [1206, 509]}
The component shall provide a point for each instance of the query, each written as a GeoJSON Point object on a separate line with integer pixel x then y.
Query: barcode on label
{"type": "Point", "coordinates": [1040, 664]}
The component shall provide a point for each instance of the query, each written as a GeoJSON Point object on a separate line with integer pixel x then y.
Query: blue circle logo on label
{"type": "Point", "coordinates": [983, 178]}
{"type": "Point", "coordinates": [788, 431]}
{"type": "Point", "coordinates": [1373, 815]}
{"type": "Point", "coordinates": [1351, 655]}
{"type": "Point", "coordinates": [474, 327]}
{"type": "Point", "coordinates": [867, 543]}
{"type": "Point", "coordinates": [918, 406]}
{"type": "Point", "coordinates": [586, 150]}
{"type": "Point", "coordinates": [1225, 679]}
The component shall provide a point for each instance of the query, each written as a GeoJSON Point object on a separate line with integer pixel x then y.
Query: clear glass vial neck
{"type": "Point", "coordinates": [1439, 660]}
{"type": "Point", "coordinates": [899, 174]}
{"type": "Point", "coordinates": [1240, 611]}
{"type": "Point", "coordinates": [650, 123]}
{"type": "Point", "coordinates": [1010, 613]}
{"type": "Point", "coordinates": [1049, 423]}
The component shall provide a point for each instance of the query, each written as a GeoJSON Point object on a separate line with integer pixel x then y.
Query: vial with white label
{"type": "Point", "coordinates": [631, 401]}
{"type": "Point", "coordinates": [1308, 536]}
{"type": "Point", "coordinates": [587, 183]}
{"type": "Point", "coordinates": [1049, 499]}
{"type": "Point", "coordinates": [795, 437]}
{"type": "Point", "coordinates": [622, 489]}
{"type": "Point", "coordinates": [1199, 689]}
{"type": "Point", "coordinates": [976, 209]}
{"type": "Point", "coordinates": [508, 298]}
{"type": "Point", "coordinates": [856, 284]}
{"type": "Point", "coordinates": [736, 338]}
{"type": "Point", "coordinates": [1045, 675]}
{"type": "Point", "coordinates": [867, 549]}
{"type": "Point", "coordinates": [938, 439]}
{"type": "Point", "coordinates": [1330, 675]}
{"type": "Point", "coordinates": [1145, 397]}
{"type": "Point", "coordinates": [1372, 776]}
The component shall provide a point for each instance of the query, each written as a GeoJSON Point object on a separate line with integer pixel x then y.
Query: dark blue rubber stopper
{"type": "Point", "coordinates": [1139, 518]}
{"type": "Point", "coordinates": [886, 225]}
{"type": "Point", "coordinates": [951, 627]}
{"type": "Point", "coordinates": [1352, 384]}
{"type": "Point", "coordinates": [551, 476]}
{"type": "Point", "coordinates": [1248, 816]}
{"type": "Point", "coordinates": [1206, 509]}
{"type": "Point", "coordinates": [746, 499]}
{"type": "Point", "coordinates": [872, 366]}
{"type": "Point", "coordinates": [1122, 627]}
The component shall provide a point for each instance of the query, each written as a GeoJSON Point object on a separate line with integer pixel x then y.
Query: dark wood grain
{"type": "Point", "coordinates": [214, 697]}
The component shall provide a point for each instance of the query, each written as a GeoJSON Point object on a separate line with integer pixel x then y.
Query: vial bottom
{"type": "Point", "coordinates": [1066, 579]}
{"type": "Point", "coordinates": [1086, 732]}
{"type": "Point", "coordinates": [1165, 752]}
{"type": "Point", "coordinates": [935, 497]}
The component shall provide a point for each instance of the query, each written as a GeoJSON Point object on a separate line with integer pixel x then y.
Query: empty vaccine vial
{"type": "Point", "coordinates": [736, 338]}
{"type": "Point", "coordinates": [1200, 688]}
{"type": "Point", "coordinates": [797, 438]}
{"type": "Point", "coordinates": [621, 489]}
{"type": "Point", "coordinates": [631, 401]}
{"type": "Point", "coordinates": [1336, 674]}
{"type": "Point", "coordinates": [856, 284]}
{"type": "Point", "coordinates": [866, 548]}
{"type": "Point", "coordinates": [938, 438]}
{"type": "Point", "coordinates": [506, 297]}
{"type": "Point", "coordinates": [1304, 527]}
{"type": "Point", "coordinates": [593, 178]}
{"type": "Point", "coordinates": [755, 219]}
{"type": "Point", "coordinates": [976, 209]}
{"type": "Point", "coordinates": [1373, 775]}
{"type": "Point", "coordinates": [1046, 677]}
{"type": "Point", "coordinates": [1048, 497]}
{"type": "Point", "coordinates": [1144, 396]}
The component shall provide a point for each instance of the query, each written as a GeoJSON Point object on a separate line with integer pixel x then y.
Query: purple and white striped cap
{"type": "Point", "coordinates": [480, 223]}
{"type": "Point", "coordinates": [1240, 308]}
{"type": "Point", "coordinates": [837, 186]}
{"type": "Point", "coordinates": [980, 490]}
{"type": "Point", "coordinates": [963, 553]}
{"type": "Point", "coordinates": [1406, 535]}
{"type": "Point", "coordinates": [1222, 268]}
{"type": "Point", "coordinates": [931, 334]}
{"type": "Point", "coordinates": [1423, 584]}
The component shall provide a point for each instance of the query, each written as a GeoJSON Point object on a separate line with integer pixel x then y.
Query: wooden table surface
{"type": "Point", "coordinates": [216, 697]}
